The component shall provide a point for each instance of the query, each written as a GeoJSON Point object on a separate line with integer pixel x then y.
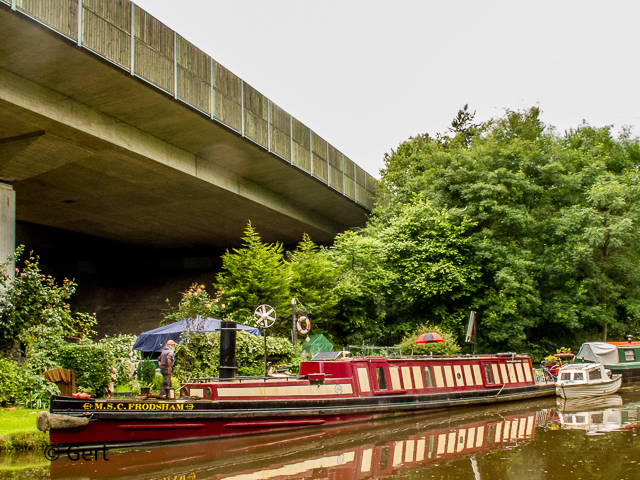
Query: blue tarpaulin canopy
{"type": "Point", "coordinates": [155, 340]}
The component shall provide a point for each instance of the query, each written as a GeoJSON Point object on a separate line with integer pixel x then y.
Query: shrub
{"type": "Point", "coordinates": [43, 344]}
{"type": "Point", "coordinates": [146, 372]}
{"type": "Point", "coordinates": [92, 364]}
{"type": "Point", "coordinates": [199, 355]}
{"type": "Point", "coordinates": [157, 383]}
{"type": "Point", "coordinates": [127, 359]}
{"type": "Point", "coordinates": [250, 353]}
{"type": "Point", "coordinates": [18, 386]}
{"type": "Point", "coordinates": [448, 347]}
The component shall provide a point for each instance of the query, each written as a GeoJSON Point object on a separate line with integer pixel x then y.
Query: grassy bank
{"type": "Point", "coordinates": [18, 430]}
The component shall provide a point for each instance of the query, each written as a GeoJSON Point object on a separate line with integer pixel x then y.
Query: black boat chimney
{"type": "Point", "coordinates": [228, 365]}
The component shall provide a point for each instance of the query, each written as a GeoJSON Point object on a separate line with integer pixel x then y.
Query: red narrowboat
{"type": "Point", "coordinates": [326, 392]}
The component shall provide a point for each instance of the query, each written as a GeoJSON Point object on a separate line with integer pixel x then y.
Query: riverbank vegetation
{"type": "Point", "coordinates": [535, 230]}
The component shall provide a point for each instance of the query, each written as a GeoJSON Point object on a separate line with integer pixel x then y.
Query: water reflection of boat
{"type": "Point", "coordinates": [355, 451]}
{"type": "Point", "coordinates": [592, 403]}
{"type": "Point", "coordinates": [594, 422]}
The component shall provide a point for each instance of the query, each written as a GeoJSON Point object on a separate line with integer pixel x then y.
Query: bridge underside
{"type": "Point", "coordinates": [133, 192]}
{"type": "Point", "coordinates": [89, 149]}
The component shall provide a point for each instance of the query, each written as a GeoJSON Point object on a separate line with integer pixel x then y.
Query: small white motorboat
{"type": "Point", "coordinates": [581, 380]}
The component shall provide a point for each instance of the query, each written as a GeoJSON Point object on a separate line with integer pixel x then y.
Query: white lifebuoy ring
{"type": "Point", "coordinates": [307, 325]}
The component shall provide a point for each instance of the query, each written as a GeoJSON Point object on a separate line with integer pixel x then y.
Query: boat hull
{"type": "Point", "coordinates": [629, 374]}
{"type": "Point", "coordinates": [589, 390]}
{"type": "Point", "coordinates": [131, 423]}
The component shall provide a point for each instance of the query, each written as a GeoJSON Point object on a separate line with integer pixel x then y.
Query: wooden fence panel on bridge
{"type": "Point", "coordinates": [361, 190]}
{"type": "Point", "coordinates": [61, 15]}
{"type": "Point", "coordinates": [154, 52]}
{"type": "Point", "coordinates": [335, 169]}
{"type": "Point", "coordinates": [256, 116]}
{"type": "Point", "coordinates": [301, 145]}
{"type": "Point", "coordinates": [106, 30]}
{"type": "Point", "coordinates": [227, 97]}
{"type": "Point", "coordinates": [319, 160]}
{"type": "Point", "coordinates": [349, 178]}
{"type": "Point", "coordinates": [194, 75]}
{"type": "Point", "coordinates": [280, 125]}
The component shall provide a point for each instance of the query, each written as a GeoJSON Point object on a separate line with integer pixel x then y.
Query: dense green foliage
{"type": "Point", "coordinates": [126, 359]}
{"type": "Point", "coordinates": [146, 373]}
{"type": "Point", "coordinates": [92, 364]}
{"type": "Point", "coordinates": [550, 252]}
{"type": "Point", "coordinates": [18, 386]}
{"type": "Point", "coordinates": [199, 355]}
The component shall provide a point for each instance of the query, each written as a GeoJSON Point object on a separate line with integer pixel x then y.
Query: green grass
{"type": "Point", "coordinates": [18, 430]}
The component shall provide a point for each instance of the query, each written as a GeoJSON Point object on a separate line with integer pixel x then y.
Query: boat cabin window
{"type": "Point", "coordinates": [382, 379]}
{"type": "Point", "coordinates": [384, 458]}
{"type": "Point", "coordinates": [629, 355]}
{"type": "Point", "coordinates": [578, 376]}
{"type": "Point", "coordinates": [363, 379]}
{"type": "Point", "coordinates": [595, 375]}
{"type": "Point", "coordinates": [428, 377]}
{"type": "Point", "coordinates": [488, 373]}
{"type": "Point", "coordinates": [395, 378]}
{"type": "Point", "coordinates": [565, 376]}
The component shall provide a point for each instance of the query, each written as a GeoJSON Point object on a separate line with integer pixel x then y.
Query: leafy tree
{"type": "Point", "coordinates": [253, 275]}
{"type": "Point", "coordinates": [362, 279]}
{"type": "Point", "coordinates": [313, 281]}
{"type": "Point", "coordinates": [552, 224]}
{"type": "Point", "coordinates": [431, 272]}
{"type": "Point", "coordinates": [33, 299]}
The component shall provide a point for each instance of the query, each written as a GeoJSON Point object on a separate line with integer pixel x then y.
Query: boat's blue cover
{"type": "Point", "coordinates": [154, 340]}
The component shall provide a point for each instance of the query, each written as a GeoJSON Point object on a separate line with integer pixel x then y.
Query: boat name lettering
{"type": "Point", "coordinates": [137, 406]}
{"type": "Point", "coordinates": [514, 361]}
{"type": "Point", "coordinates": [191, 476]}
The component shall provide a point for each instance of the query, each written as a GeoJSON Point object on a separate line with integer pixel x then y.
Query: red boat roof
{"type": "Point", "coordinates": [622, 344]}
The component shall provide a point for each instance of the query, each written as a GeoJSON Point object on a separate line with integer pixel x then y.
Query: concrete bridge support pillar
{"type": "Point", "coordinates": [7, 222]}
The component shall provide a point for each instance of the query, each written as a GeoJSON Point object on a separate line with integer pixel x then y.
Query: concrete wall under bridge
{"type": "Point", "coordinates": [130, 159]}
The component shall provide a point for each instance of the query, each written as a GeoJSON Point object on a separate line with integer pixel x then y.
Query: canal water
{"type": "Point", "coordinates": [544, 439]}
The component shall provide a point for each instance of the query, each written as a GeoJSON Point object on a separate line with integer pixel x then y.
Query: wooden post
{"type": "Point", "coordinates": [266, 370]}
{"type": "Point", "coordinates": [294, 317]}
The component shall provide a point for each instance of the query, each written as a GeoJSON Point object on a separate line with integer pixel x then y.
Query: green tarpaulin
{"type": "Point", "coordinates": [316, 344]}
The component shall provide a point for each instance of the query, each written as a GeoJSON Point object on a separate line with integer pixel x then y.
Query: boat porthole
{"type": "Point", "coordinates": [207, 392]}
{"type": "Point", "coordinates": [338, 389]}
{"type": "Point", "coordinates": [459, 375]}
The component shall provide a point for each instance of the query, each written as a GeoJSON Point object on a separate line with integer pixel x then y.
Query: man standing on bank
{"type": "Point", "coordinates": [166, 366]}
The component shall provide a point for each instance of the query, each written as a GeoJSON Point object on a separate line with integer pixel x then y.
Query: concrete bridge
{"type": "Point", "coordinates": [120, 139]}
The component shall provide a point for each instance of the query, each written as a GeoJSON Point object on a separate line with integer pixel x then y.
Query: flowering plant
{"type": "Point", "coordinates": [31, 298]}
{"type": "Point", "coordinates": [196, 301]}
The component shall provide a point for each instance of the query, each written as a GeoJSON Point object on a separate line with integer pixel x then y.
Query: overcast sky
{"type": "Point", "coordinates": [368, 75]}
